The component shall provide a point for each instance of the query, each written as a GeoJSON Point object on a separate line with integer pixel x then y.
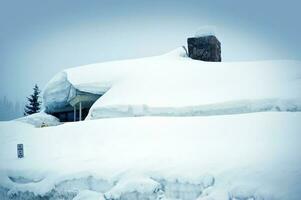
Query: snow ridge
{"type": "Point", "coordinates": [228, 108]}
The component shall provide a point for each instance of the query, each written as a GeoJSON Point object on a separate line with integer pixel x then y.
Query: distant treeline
{"type": "Point", "coordinates": [10, 109]}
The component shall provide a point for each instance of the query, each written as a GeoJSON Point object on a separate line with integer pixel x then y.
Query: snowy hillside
{"type": "Point", "coordinates": [247, 156]}
{"type": "Point", "coordinates": [175, 85]}
{"type": "Point", "coordinates": [164, 128]}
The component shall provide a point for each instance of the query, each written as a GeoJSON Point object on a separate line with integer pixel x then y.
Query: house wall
{"type": "Point", "coordinates": [66, 113]}
{"type": "Point", "coordinates": [68, 116]}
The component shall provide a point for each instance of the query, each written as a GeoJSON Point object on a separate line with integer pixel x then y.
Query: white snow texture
{"type": "Point", "coordinates": [175, 85]}
{"type": "Point", "coordinates": [40, 119]}
{"type": "Point", "coordinates": [139, 145]}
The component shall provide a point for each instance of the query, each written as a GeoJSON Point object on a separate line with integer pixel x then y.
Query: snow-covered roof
{"type": "Point", "coordinates": [173, 84]}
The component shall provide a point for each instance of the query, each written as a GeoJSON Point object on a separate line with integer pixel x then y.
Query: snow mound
{"type": "Point", "coordinates": [201, 89]}
{"type": "Point", "coordinates": [136, 187]}
{"type": "Point", "coordinates": [227, 157]}
{"type": "Point", "coordinates": [40, 120]}
{"type": "Point", "coordinates": [175, 85]}
{"type": "Point", "coordinates": [89, 195]}
{"type": "Point", "coordinates": [245, 156]}
{"type": "Point", "coordinates": [248, 193]}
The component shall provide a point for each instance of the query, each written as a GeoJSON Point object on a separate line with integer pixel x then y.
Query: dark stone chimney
{"type": "Point", "coordinates": [205, 48]}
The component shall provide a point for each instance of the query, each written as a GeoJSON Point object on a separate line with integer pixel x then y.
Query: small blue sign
{"type": "Point", "coordinates": [20, 150]}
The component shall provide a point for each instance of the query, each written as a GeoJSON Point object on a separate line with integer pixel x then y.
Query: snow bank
{"type": "Point", "coordinates": [135, 187]}
{"type": "Point", "coordinates": [243, 156]}
{"type": "Point", "coordinates": [204, 89]}
{"type": "Point", "coordinates": [175, 85]}
{"type": "Point", "coordinates": [40, 120]}
{"type": "Point", "coordinates": [89, 195]}
{"type": "Point", "coordinates": [218, 157]}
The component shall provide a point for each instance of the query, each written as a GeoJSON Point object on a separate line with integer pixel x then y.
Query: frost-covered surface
{"type": "Point", "coordinates": [175, 85]}
{"type": "Point", "coordinates": [244, 156]}
{"type": "Point", "coordinates": [40, 119]}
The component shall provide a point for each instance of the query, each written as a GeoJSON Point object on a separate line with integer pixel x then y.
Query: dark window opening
{"type": "Point", "coordinates": [68, 116]}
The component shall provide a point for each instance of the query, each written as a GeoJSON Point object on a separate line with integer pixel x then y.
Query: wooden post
{"type": "Point", "coordinates": [80, 111]}
{"type": "Point", "coordinates": [74, 112]}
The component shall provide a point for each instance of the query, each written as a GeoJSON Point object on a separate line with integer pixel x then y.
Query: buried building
{"type": "Point", "coordinates": [71, 93]}
{"type": "Point", "coordinates": [172, 84]}
{"type": "Point", "coordinates": [66, 102]}
{"type": "Point", "coordinates": [76, 108]}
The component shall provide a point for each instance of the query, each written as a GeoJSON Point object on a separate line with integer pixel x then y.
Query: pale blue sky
{"type": "Point", "coordinates": [40, 38]}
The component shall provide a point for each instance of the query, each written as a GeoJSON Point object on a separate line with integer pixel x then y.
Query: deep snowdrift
{"type": "Point", "coordinates": [175, 85]}
{"type": "Point", "coordinates": [231, 157]}
{"type": "Point", "coordinates": [40, 119]}
{"type": "Point", "coordinates": [246, 156]}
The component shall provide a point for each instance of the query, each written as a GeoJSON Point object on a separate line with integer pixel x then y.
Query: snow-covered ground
{"type": "Point", "coordinates": [244, 156]}
{"type": "Point", "coordinates": [40, 119]}
{"type": "Point", "coordinates": [167, 127]}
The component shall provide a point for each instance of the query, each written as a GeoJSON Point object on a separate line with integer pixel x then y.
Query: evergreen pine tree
{"type": "Point", "coordinates": [34, 104]}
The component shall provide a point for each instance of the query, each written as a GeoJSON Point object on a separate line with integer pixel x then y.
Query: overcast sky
{"type": "Point", "coordinates": [40, 38]}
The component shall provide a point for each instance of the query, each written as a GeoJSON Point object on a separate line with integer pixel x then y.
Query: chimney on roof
{"type": "Point", "coordinates": [205, 48]}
